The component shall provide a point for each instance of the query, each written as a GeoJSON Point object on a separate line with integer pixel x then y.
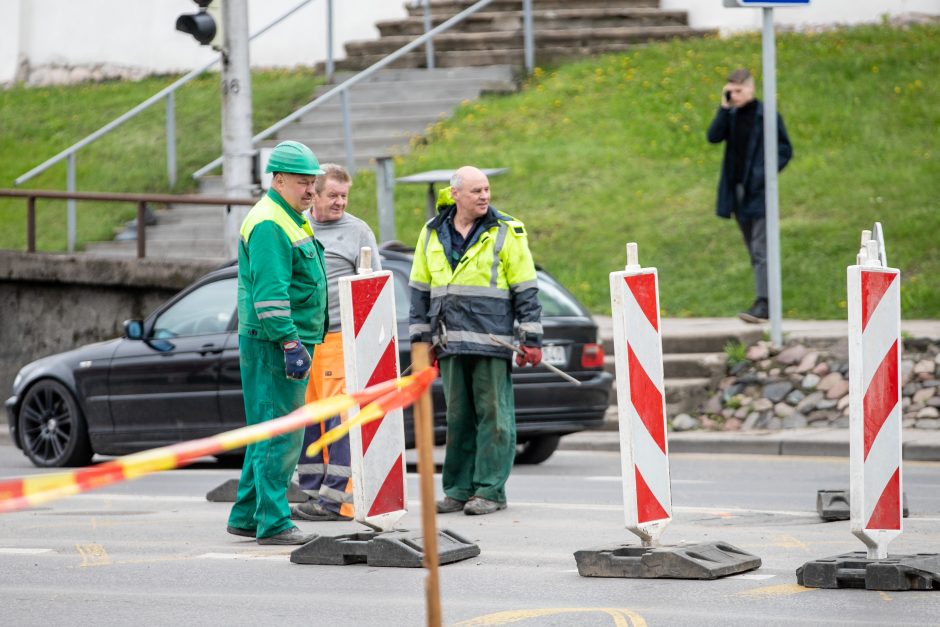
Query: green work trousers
{"type": "Point", "coordinates": [481, 426]}
{"type": "Point", "coordinates": [261, 503]}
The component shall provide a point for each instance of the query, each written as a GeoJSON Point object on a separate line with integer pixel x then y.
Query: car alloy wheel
{"type": "Point", "coordinates": [51, 427]}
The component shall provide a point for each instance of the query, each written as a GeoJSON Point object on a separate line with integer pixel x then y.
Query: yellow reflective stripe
{"type": "Point", "coordinates": [268, 210]}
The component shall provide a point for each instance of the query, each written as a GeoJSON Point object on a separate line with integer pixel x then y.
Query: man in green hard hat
{"type": "Point", "coordinates": [282, 314]}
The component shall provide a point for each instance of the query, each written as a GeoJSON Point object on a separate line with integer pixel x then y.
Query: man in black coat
{"type": "Point", "coordinates": [739, 123]}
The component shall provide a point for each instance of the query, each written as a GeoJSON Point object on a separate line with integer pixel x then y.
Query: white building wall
{"type": "Point", "coordinates": [141, 35]}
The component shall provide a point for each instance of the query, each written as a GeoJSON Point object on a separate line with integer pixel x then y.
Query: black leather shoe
{"type": "Point", "coordinates": [288, 536]}
{"type": "Point", "coordinates": [758, 313]}
{"type": "Point", "coordinates": [311, 510]}
{"type": "Point", "coordinates": [238, 531]}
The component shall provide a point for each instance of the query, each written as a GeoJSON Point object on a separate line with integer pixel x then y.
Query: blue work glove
{"type": "Point", "coordinates": [296, 360]}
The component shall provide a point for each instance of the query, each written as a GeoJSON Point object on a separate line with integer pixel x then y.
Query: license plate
{"type": "Point", "coordinates": [555, 355]}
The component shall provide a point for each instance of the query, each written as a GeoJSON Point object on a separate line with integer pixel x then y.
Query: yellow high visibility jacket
{"type": "Point", "coordinates": [492, 285]}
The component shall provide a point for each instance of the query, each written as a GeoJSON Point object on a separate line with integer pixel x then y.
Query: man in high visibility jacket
{"type": "Point", "coordinates": [326, 476]}
{"type": "Point", "coordinates": [473, 276]}
{"type": "Point", "coordinates": [282, 314]}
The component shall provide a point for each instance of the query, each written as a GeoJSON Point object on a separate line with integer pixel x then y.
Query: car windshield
{"type": "Point", "coordinates": [207, 309]}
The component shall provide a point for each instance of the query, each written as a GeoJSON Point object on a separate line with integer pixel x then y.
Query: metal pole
{"type": "Point", "coordinates": [31, 224]}
{"type": "Point", "coordinates": [769, 61]}
{"type": "Point", "coordinates": [527, 37]}
{"type": "Point", "coordinates": [70, 203]}
{"type": "Point", "coordinates": [347, 133]}
{"type": "Point", "coordinates": [170, 139]}
{"type": "Point", "coordinates": [237, 149]}
{"type": "Point", "coordinates": [141, 226]}
{"type": "Point", "coordinates": [429, 47]}
{"type": "Point", "coordinates": [385, 197]}
{"type": "Point", "coordinates": [330, 65]}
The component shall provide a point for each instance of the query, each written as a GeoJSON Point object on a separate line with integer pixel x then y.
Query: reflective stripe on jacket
{"type": "Point", "coordinates": [281, 275]}
{"type": "Point", "coordinates": [493, 284]}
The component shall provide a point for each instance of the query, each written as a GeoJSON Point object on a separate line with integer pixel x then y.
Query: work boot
{"type": "Point", "coordinates": [757, 313]}
{"type": "Point", "coordinates": [311, 510]}
{"type": "Point", "coordinates": [288, 536]}
{"type": "Point", "coordinates": [449, 505]}
{"type": "Point", "coordinates": [238, 531]}
{"type": "Point", "coordinates": [478, 506]}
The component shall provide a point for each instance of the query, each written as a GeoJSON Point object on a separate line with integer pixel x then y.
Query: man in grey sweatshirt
{"type": "Point", "coordinates": [326, 476]}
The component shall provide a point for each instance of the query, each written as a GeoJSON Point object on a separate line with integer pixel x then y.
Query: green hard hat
{"type": "Point", "coordinates": [293, 157]}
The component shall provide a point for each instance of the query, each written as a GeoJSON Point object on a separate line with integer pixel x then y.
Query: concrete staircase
{"type": "Point", "coordinates": [562, 29]}
{"type": "Point", "coordinates": [693, 362]}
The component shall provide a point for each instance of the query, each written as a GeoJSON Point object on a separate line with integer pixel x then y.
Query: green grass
{"type": "Point", "coordinates": [611, 150]}
{"type": "Point", "coordinates": [38, 123]}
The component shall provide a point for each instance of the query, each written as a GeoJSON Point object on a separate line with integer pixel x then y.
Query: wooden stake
{"type": "Point", "coordinates": [424, 439]}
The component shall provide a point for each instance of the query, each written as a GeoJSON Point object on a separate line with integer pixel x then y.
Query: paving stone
{"type": "Point", "coordinates": [808, 362]}
{"type": "Point", "coordinates": [838, 390]}
{"type": "Point", "coordinates": [783, 410]}
{"type": "Point", "coordinates": [796, 420]}
{"type": "Point", "coordinates": [810, 381]}
{"type": "Point", "coordinates": [828, 381]}
{"type": "Point", "coordinates": [809, 403]}
{"type": "Point", "coordinates": [685, 422]}
{"type": "Point", "coordinates": [924, 366]}
{"type": "Point", "coordinates": [928, 413]}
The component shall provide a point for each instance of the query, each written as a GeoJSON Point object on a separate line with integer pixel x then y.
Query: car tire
{"type": "Point", "coordinates": [537, 449]}
{"type": "Point", "coordinates": [51, 427]}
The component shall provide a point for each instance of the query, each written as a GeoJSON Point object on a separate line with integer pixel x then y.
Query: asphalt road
{"type": "Point", "coordinates": [154, 552]}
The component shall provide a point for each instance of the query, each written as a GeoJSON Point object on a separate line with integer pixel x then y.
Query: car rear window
{"type": "Point", "coordinates": [555, 300]}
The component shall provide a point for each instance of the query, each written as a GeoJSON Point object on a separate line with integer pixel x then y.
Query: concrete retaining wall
{"type": "Point", "coordinates": [53, 303]}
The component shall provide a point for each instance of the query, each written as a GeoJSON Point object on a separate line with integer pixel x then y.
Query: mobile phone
{"type": "Point", "coordinates": [727, 95]}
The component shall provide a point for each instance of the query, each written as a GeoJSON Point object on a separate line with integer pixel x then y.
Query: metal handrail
{"type": "Point", "coordinates": [343, 88]}
{"type": "Point", "coordinates": [140, 200]}
{"type": "Point", "coordinates": [165, 92]}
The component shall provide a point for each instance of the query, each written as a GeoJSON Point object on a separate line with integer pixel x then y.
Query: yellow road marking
{"type": "Point", "coordinates": [93, 555]}
{"type": "Point", "coordinates": [621, 617]}
{"type": "Point", "coordinates": [884, 596]}
{"type": "Point", "coordinates": [775, 591]}
{"type": "Point", "coordinates": [789, 542]}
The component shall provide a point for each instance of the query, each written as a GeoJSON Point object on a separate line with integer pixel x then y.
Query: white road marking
{"type": "Point", "coordinates": [618, 479]}
{"type": "Point", "coordinates": [242, 556]}
{"type": "Point", "coordinates": [24, 551]}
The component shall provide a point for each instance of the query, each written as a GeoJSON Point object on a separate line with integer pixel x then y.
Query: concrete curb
{"type": "Point", "coordinates": [918, 444]}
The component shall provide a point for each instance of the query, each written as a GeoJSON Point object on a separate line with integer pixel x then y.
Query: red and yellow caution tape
{"type": "Point", "coordinates": [23, 492]}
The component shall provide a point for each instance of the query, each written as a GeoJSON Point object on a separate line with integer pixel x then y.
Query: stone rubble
{"type": "Point", "coordinates": [805, 386]}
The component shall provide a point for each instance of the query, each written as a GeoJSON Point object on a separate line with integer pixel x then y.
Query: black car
{"type": "Point", "coordinates": [175, 376]}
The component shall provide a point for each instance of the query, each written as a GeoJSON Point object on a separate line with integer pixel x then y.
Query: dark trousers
{"type": "Point", "coordinates": [481, 427]}
{"type": "Point", "coordinates": [754, 231]}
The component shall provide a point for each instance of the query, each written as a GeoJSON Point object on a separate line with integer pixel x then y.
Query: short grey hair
{"type": "Point", "coordinates": [331, 171]}
{"type": "Point", "coordinates": [456, 180]}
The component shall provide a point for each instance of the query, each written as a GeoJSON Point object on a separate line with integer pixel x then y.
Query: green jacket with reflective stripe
{"type": "Point", "coordinates": [493, 285]}
{"type": "Point", "coordinates": [281, 275]}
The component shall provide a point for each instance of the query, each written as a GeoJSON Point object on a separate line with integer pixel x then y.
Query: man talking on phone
{"type": "Point", "coordinates": [739, 123]}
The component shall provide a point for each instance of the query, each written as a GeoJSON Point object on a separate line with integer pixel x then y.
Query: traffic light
{"type": "Point", "coordinates": [205, 26]}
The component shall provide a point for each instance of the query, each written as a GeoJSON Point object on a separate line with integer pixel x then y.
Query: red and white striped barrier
{"type": "Point", "coordinates": [874, 308]}
{"type": "Point", "coordinates": [370, 350]}
{"type": "Point", "coordinates": [641, 402]}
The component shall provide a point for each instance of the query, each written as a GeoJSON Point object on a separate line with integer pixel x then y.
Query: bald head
{"type": "Point", "coordinates": [471, 192]}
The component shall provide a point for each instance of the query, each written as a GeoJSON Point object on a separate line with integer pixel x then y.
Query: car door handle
{"type": "Point", "coordinates": [209, 349]}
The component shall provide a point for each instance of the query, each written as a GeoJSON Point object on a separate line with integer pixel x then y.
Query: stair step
{"type": "Point", "coordinates": [421, 90]}
{"type": "Point", "coordinates": [684, 365]}
{"type": "Point", "coordinates": [484, 21]}
{"type": "Point", "coordinates": [453, 7]}
{"type": "Point", "coordinates": [431, 108]}
{"type": "Point", "coordinates": [325, 129]}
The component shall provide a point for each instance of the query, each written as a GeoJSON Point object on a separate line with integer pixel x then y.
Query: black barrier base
{"type": "Point", "coordinates": [703, 560]}
{"type": "Point", "coordinates": [401, 549]}
{"type": "Point", "coordinates": [834, 505]}
{"type": "Point", "coordinates": [856, 570]}
{"type": "Point", "coordinates": [225, 493]}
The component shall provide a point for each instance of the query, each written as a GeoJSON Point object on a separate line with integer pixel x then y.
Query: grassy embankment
{"type": "Point", "coordinates": [611, 150]}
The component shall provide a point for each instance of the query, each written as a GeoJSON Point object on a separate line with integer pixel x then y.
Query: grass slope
{"type": "Point", "coordinates": [612, 150]}
{"type": "Point", "coordinates": [600, 152]}
{"type": "Point", "coordinates": [37, 123]}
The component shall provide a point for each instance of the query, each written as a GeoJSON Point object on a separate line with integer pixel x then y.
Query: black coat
{"type": "Point", "coordinates": [753, 205]}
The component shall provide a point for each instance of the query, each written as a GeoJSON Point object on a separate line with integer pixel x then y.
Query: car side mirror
{"type": "Point", "coordinates": [134, 329]}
